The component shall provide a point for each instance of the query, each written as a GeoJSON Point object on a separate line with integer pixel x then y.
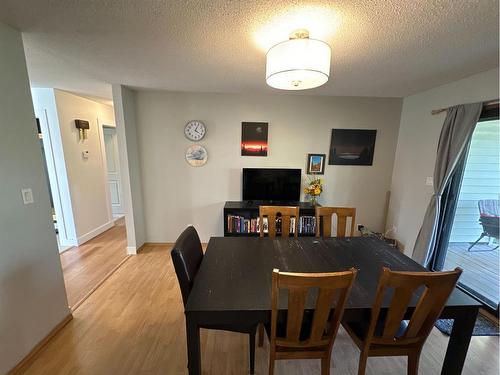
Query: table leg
{"type": "Point", "coordinates": [193, 345]}
{"type": "Point", "coordinates": [458, 345]}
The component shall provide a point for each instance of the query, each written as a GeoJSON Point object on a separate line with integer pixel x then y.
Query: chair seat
{"type": "Point", "coordinates": [360, 329]}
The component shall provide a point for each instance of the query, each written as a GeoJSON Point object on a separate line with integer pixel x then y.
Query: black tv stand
{"type": "Point", "coordinates": [250, 210]}
{"type": "Point", "coordinates": [271, 203]}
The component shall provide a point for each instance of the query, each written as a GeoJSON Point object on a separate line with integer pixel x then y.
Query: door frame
{"type": "Point", "coordinates": [118, 169]}
{"type": "Point", "coordinates": [447, 216]}
{"type": "Point", "coordinates": [102, 124]}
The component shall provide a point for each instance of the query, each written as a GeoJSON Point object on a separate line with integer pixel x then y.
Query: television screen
{"type": "Point", "coordinates": [271, 184]}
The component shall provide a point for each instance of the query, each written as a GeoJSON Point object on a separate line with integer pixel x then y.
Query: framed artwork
{"type": "Point", "coordinates": [196, 155]}
{"type": "Point", "coordinates": [254, 138]}
{"type": "Point", "coordinates": [316, 163]}
{"type": "Point", "coordinates": [352, 147]}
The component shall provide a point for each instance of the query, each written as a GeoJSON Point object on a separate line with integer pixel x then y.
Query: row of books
{"type": "Point", "coordinates": [240, 224]}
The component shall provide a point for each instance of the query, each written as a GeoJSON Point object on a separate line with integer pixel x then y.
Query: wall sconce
{"type": "Point", "coordinates": [82, 127]}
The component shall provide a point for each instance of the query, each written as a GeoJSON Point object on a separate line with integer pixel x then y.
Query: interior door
{"type": "Point", "coordinates": [113, 167]}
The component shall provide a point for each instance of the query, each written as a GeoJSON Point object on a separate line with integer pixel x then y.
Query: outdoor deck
{"type": "Point", "coordinates": [481, 268]}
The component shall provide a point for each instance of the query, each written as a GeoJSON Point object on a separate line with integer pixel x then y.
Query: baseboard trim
{"type": "Point", "coordinates": [28, 359]}
{"type": "Point", "coordinates": [108, 275]}
{"type": "Point", "coordinates": [95, 232]}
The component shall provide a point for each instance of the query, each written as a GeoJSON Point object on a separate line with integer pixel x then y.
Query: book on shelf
{"type": "Point", "coordinates": [240, 224]}
{"type": "Point", "coordinates": [307, 225]}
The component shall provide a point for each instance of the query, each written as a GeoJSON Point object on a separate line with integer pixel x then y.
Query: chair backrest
{"type": "Point", "coordinates": [187, 255]}
{"type": "Point", "coordinates": [324, 216]}
{"type": "Point", "coordinates": [272, 212]}
{"type": "Point", "coordinates": [332, 291]}
{"type": "Point", "coordinates": [488, 207]}
{"type": "Point", "coordinates": [435, 288]}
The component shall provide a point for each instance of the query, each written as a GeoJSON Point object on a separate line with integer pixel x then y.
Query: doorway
{"type": "Point", "coordinates": [469, 238]}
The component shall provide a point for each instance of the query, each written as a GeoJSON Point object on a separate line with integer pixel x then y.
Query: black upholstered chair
{"type": "Point", "coordinates": [187, 256]}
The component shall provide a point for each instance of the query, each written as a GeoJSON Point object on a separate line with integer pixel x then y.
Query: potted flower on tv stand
{"type": "Point", "coordinates": [314, 190]}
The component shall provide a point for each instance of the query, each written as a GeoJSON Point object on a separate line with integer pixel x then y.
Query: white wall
{"type": "Point", "coordinates": [86, 178]}
{"type": "Point", "coordinates": [126, 129]}
{"type": "Point", "coordinates": [176, 194]}
{"type": "Point", "coordinates": [32, 296]}
{"type": "Point", "coordinates": [416, 151]}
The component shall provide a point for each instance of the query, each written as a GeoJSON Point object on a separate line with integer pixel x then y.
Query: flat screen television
{"type": "Point", "coordinates": [271, 184]}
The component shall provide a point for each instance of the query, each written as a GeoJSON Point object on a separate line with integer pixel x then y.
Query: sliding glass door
{"type": "Point", "coordinates": [470, 219]}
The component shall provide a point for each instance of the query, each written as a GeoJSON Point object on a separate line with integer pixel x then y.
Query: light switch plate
{"type": "Point", "coordinates": [429, 181]}
{"type": "Point", "coordinates": [27, 196]}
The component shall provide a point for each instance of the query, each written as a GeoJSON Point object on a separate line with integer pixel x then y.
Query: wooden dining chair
{"type": "Point", "coordinates": [307, 334]}
{"type": "Point", "coordinates": [187, 256]}
{"type": "Point", "coordinates": [324, 216]}
{"type": "Point", "coordinates": [272, 212]}
{"type": "Point", "coordinates": [391, 335]}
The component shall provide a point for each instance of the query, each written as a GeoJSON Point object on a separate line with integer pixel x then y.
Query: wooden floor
{"type": "Point", "coordinates": [134, 324]}
{"type": "Point", "coordinates": [86, 265]}
{"type": "Point", "coordinates": [481, 268]}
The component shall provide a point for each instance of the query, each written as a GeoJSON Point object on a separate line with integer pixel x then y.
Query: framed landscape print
{"type": "Point", "coordinates": [316, 163]}
{"type": "Point", "coordinates": [352, 147]}
{"type": "Point", "coordinates": [254, 138]}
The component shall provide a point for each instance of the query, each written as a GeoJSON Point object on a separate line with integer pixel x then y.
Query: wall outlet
{"type": "Point", "coordinates": [429, 181]}
{"type": "Point", "coordinates": [27, 195]}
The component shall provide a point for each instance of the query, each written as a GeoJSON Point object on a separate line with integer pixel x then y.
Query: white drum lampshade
{"type": "Point", "coordinates": [299, 63]}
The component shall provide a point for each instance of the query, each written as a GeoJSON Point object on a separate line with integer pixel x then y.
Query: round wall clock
{"type": "Point", "coordinates": [195, 130]}
{"type": "Point", "coordinates": [196, 155]}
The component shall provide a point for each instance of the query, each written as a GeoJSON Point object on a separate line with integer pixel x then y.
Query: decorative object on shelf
{"type": "Point", "coordinates": [254, 138]}
{"type": "Point", "coordinates": [196, 155]}
{"type": "Point", "coordinates": [299, 63]}
{"type": "Point", "coordinates": [352, 147]}
{"type": "Point", "coordinates": [83, 126]}
{"type": "Point", "coordinates": [316, 163]}
{"type": "Point", "coordinates": [314, 189]}
{"type": "Point", "coordinates": [195, 130]}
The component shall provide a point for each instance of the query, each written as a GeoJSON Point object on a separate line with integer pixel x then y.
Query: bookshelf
{"type": "Point", "coordinates": [240, 218]}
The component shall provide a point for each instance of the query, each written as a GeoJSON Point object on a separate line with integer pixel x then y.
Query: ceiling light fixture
{"type": "Point", "coordinates": [299, 63]}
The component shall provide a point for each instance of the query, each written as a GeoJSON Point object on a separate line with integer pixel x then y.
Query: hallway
{"type": "Point", "coordinates": [85, 267]}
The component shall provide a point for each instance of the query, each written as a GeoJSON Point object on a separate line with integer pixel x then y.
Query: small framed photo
{"type": "Point", "coordinates": [316, 163]}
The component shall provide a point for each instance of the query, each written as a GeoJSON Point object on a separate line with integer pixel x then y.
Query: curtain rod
{"type": "Point", "coordinates": [485, 104]}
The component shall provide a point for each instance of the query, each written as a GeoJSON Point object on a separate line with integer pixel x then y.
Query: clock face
{"type": "Point", "coordinates": [195, 130]}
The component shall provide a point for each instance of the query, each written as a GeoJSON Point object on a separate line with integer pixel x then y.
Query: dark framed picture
{"type": "Point", "coordinates": [254, 138]}
{"type": "Point", "coordinates": [316, 163]}
{"type": "Point", "coordinates": [352, 147]}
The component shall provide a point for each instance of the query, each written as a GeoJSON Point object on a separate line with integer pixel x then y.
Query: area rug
{"type": "Point", "coordinates": [483, 327]}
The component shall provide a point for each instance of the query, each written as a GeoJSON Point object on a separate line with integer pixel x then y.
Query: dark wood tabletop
{"type": "Point", "coordinates": [234, 283]}
{"type": "Point", "coordinates": [236, 272]}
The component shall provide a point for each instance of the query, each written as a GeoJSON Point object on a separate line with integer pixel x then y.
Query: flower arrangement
{"type": "Point", "coordinates": [314, 189]}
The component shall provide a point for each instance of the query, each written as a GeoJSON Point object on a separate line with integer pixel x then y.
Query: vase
{"type": "Point", "coordinates": [312, 199]}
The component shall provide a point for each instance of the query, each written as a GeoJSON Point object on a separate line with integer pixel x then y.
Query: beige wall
{"type": "Point", "coordinates": [176, 194]}
{"type": "Point", "coordinates": [32, 296]}
{"type": "Point", "coordinates": [86, 178]}
{"type": "Point", "coordinates": [416, 151]}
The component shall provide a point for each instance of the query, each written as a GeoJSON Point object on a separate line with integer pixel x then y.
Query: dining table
{"type": "Point", "coordinates": [233, 285]}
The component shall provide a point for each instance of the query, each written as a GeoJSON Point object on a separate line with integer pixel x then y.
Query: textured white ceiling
{"type": "Point", "coordinates": [380, 47]}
